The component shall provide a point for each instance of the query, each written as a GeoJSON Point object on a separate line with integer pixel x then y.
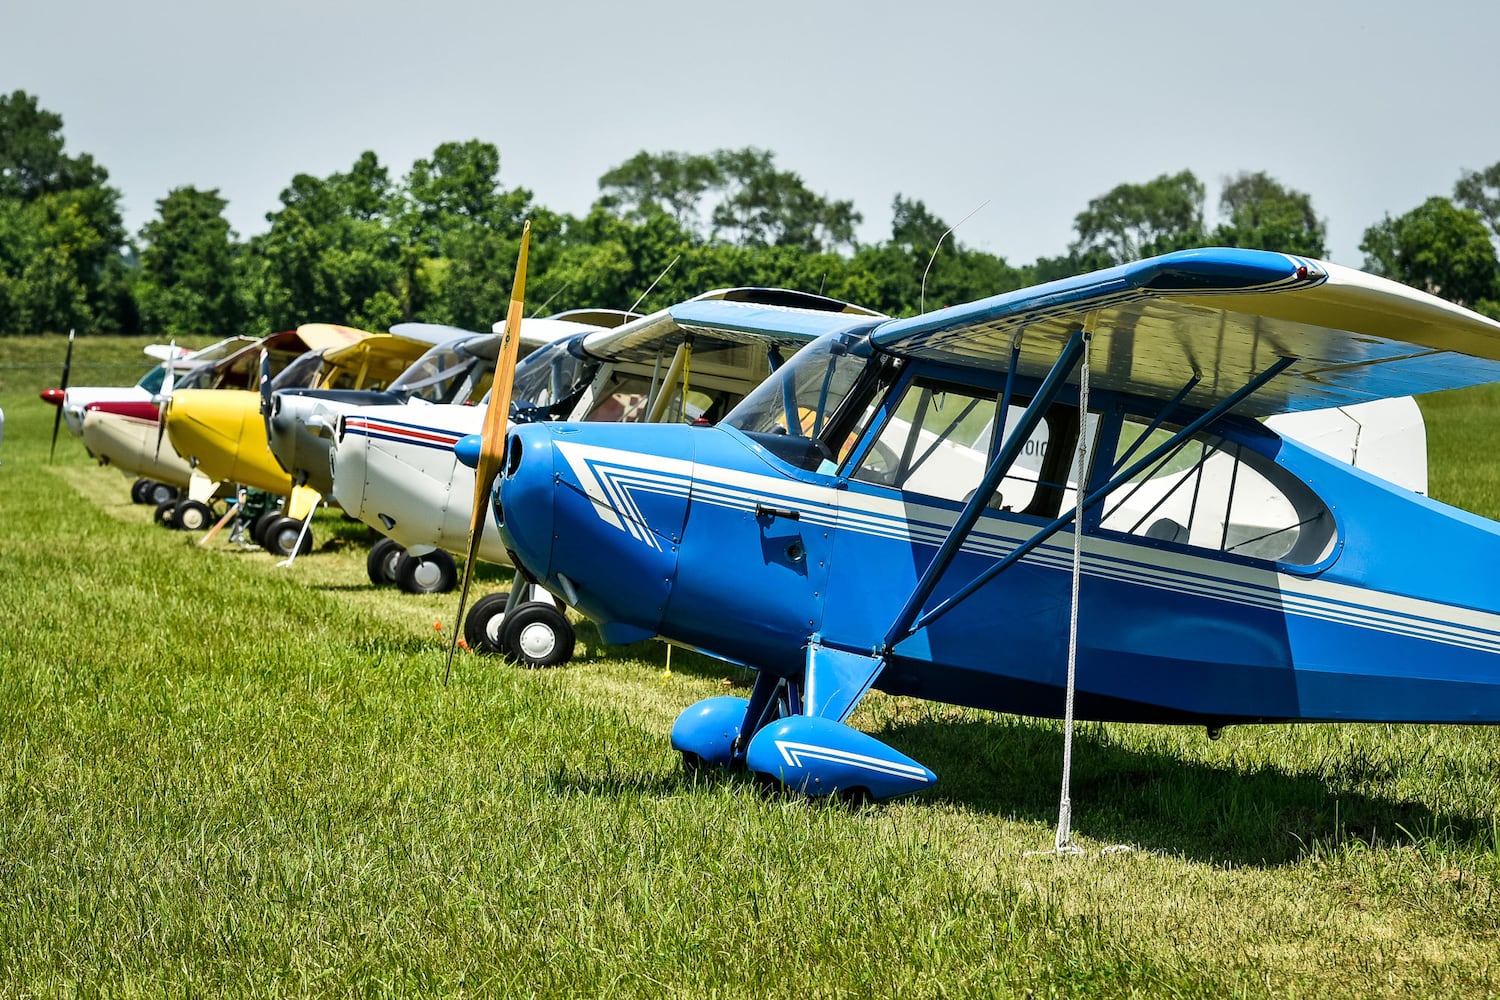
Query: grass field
{"type": "Point", "coordinates": [222, 778]}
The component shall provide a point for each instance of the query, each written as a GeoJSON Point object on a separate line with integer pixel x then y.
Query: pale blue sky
{"type": "Point", "coordinates": [1369, 107]}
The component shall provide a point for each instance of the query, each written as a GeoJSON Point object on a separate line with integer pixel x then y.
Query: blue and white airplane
{"type": "Point", "coordinates": [895, 508]}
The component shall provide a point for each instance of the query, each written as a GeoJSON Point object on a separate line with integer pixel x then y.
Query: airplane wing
{"type": "Point", "coordinates": [764, 316]}
{"type": "Point", "coordinates": [327, 336]}
{"type": "Point", "coordinates": [541, 332]}
{"type": "Point", "coordinates": [376, 358]}
{"type": "Point", "coordinates": [1225, 315]}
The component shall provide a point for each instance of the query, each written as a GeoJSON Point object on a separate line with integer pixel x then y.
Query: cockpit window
{"type": "Point", "coordinates": [152, 381]}
{"type": "Point", "coordinates": [1214, 493]}
{"type": "Point", "coordinates": [941, 438]}
{"type": "Point", "coordinates": [300, 374]}
{"type": "Point", "coordinates": [444, 374]}
{"type": "Point", "coordinates": [802, 396]}
{"type": "Point", "coordinates": [551, 374]}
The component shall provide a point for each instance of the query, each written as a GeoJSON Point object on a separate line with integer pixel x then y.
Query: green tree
{"type": "Point", "coordinates": [460, 233]}
{"type": "Point", "coordinates": [1141, 220]}
{"type": "Point", "coordinates": [61, 234]}
{"type": "Point", "coordinates": [331, 253]}
{"type": "Point", "coordinates": [1439, 248]}
{"type": "Point", "coordinates": [1259, 213]}
{"type": "Point", "coordinates": [761, 206]}
{"type": "Point", "coordinates": [671, 183]}
{"type": "Point", "coordinates": [189, 275]}
{"type": "Point", "coordinates": [1479, 191]}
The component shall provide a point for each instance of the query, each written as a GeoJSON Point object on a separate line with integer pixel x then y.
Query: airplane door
{"type": "Point", "coordinates": [756, 556]}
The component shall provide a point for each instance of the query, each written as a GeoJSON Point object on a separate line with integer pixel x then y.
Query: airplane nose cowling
{"type": "Point", "coordinates": [523, 498]}
{"type": "Point", "coordinates": [596, 513]}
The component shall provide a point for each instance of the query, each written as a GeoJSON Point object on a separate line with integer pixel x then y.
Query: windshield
{"type": "Point", "coordinates": [803, 394]}
{"type": "Point", "coordinates": [552, 374]}
{"type": "Point", "coordinates": [300, 374]}
{"type": "Point", "coordinates": [152, 380]}
{"type": "Point", "coordinates": [795, 412]}
{"type": "Point", "coordinates": [449, 373]}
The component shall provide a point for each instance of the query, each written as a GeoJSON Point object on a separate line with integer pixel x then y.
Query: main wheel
{"type": "Point", "coordinates": [191, 515]}
{"type": "Point", "coordinates": [537, 635]}
{"type": "Point", "coordinates": [160, 493]}
{"type": "Point", "coordinates": [261, 525]}
{"type": "Point", "coordinates": [164, 511]}
{"type": "Point", "coordinates": [433, 573]}
{"type": "Point", "coordinates": [380, 564]}
{"type": "Point", "coordinates": [281, 537]}
{"type": "Point", "coordinates": [139, 491]}
{"type": "Point", "coordinates": [483, 623]}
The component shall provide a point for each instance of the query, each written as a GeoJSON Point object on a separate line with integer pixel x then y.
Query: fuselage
{"type": "Point", "coordinates": [1316, 591]}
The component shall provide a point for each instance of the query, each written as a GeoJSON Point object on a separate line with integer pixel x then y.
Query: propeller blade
{"type": "Point", "coordinates": [63, 388]}
{"type": "Point", "coordinates": [492, 438]}
{"type": "Point", "coordinates": [165, 397]}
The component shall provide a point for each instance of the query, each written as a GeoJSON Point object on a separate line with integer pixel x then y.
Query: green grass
{"type": "Point", "coordinates": [218, 777]}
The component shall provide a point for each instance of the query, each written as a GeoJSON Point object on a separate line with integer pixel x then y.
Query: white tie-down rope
{"type": "Point", "coordinates": [1062, 843]}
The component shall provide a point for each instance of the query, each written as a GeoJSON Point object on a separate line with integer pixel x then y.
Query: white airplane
{"type": "Point", "coordinates": [456, 371]}
{"type": "Point", "coordinates": [394, 467]}
{"type": "Point", "coordinates": [72, 402]}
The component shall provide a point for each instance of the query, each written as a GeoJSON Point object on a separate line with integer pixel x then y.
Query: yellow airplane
{"type": "Point", "coordinates": [127, 434]}
{"type": "Point", "coordinates": [222, 434]}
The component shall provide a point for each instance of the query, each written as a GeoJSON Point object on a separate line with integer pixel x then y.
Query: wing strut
{"type": "Point", "coordinates": [1067, 360]}
{"type": "Point", "coordinates": [1047, 531]}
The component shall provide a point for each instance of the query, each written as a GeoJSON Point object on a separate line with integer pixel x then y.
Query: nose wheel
{"type": "Point", "coordinates": [532, 633]}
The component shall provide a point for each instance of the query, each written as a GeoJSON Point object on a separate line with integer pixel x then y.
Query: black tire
{"type": "Point", "coordinates": [160, 493]}
{"type": "Point", "coordinates": [191, 515]}
{"type": "Point", "coordinates": [380, 564]}
{"type": "Point", "coordinates": [485, 622]}
{"type": "Point", "coordinates": [433, 573]}
{"type": "Point", "coordinates": [537, 635]}
{"type": "Point", "coordinates": [164, 511]}
{"type": "Point", "coordinates": [139, 491]}
{"type": "Point", "coordinates": [281, 537]}
{"type": "Point", "coordinates": [261, 524]}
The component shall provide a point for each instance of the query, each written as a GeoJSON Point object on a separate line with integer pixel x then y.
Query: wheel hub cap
{"type": "Point", "coordinates": [537, 641]}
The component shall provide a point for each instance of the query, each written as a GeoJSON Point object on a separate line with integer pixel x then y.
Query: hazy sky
{"type": "Point", "coordinates": [1370, 107]}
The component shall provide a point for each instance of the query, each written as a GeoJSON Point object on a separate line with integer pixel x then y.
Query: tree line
{"type": "Point", "coordinates": [439, 243]}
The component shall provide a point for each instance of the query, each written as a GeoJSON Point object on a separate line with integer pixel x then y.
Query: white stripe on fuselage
{"type": "Point", "coordinates": [612, 478]}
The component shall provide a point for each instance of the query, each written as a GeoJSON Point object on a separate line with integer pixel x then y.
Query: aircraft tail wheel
{"type": "Point", "coordinates": [281, 537]}
{"type": "Point", "coordinates": [164, 511]}
{"type": "Point", "coordinates": [484, 621]}
{"type": "Point", "coordinates": [433, 573]}
{"type": "Point", "coordinates": [139, 491]}
{"type": "Point", "coordinates": [380, 564]}
{"type": "Point", "coordinates": [160, 493]}
{"type": "Point", "coordinates": [191, 515]}
{"type": "Point", "coordinates": [537, 635]}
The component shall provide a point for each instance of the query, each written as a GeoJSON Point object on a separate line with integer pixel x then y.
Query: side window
{"type": "Point", "coordinates": [1214, 493]}
{"type": "Point", "coordinates": [941, 437]}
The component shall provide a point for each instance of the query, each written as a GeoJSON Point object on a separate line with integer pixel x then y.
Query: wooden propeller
{"type": "Point", "coordinates": [492, 437]}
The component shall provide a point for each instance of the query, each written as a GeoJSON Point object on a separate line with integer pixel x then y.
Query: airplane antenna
{"type": "Point", "coordinates": [653, 284]}
{"type": "Point", "coordinates": [923, 307]}
{"type": "Point", "coordinates": [537, 311]}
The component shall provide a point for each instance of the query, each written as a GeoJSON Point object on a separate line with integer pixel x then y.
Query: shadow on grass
{"type": "Point", "coordinates": [1159, 801]}
{"type": "Point", "coordinates": [1150, 799]}
{"type": "Point", "coordinates": [654, 653]}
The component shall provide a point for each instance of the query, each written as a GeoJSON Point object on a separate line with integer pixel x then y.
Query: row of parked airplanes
{"type": "Point", "coordinates": [1189, 489]}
